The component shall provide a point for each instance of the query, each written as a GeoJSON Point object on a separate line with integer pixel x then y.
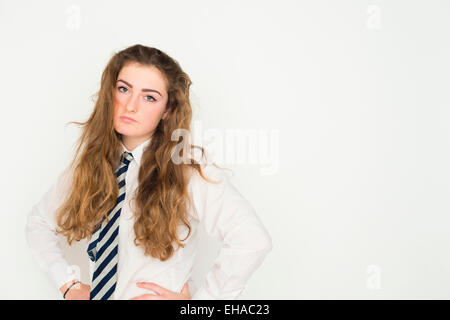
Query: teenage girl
{"type": "Point", "coordinates": [136, 191]}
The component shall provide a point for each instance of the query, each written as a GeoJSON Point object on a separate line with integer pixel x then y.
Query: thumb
{"type": "Point", "coordinates": [185, 289]}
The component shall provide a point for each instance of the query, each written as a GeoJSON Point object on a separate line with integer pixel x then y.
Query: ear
{"type": "Point", "coordinates": [166, 113]}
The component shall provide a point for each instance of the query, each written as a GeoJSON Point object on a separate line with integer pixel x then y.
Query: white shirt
{"type": "Point", "coordinates": [223, 212]}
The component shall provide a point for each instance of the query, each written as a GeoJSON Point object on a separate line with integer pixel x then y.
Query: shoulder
{"type": "Point", "coordinates": [210, 169]}
{"type": "Point", "coordinates": [210, 186]}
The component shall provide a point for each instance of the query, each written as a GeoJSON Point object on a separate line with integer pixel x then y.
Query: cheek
{"type": "Point", "coordinates": [152, 117]}
{"type": "Point", "coordinates": [117, 102]}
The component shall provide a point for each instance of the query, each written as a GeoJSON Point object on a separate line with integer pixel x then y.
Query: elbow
{"type": "Point", "coordinates": [263, 240]}
{"type": "Point", "coordinates": [250, 236]}
{"type": "Point", "coordinates": [36, 227]}
{"type": "Point", "coordinates": [260, 237]}
{"type": "Point", "coordinates": [27, 228]}
{"type": "Point", "coordinates": [267, 243]}
{"type": "Point", "coordinates": [30, 231]}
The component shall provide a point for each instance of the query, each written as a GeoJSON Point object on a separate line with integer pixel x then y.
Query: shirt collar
{"type": "Point", "coordinates": [137, 152]}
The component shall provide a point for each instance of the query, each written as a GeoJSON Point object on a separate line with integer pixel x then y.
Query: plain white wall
{"type": "Point", "coordinates": [350, 100]}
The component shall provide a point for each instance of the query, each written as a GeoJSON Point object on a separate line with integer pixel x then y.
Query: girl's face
{"type": "Point", "coordinates": [140, 95]}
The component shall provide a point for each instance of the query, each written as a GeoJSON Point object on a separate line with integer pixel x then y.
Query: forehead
{"type": "Point", "coordinates": [141, 76]}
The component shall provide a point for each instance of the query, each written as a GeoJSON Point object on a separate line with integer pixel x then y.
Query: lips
{"type": "Point", "coordinates": [127, 119]}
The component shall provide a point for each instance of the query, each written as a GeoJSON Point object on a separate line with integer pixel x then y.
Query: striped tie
{"type": "Point", "coordinates": [105, 237]}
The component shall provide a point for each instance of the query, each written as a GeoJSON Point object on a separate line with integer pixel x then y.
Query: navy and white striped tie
{"type": "Point", "coordinates": [103, 248]}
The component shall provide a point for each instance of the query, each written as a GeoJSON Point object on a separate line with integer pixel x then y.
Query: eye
{"type": "Point", "coordinates": [150, 97]}
{"type": "Point", "coordinates": [119, 88]}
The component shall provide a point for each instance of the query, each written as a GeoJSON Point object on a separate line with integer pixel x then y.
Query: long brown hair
{"type": "Point", "coordinates": [161, 198]}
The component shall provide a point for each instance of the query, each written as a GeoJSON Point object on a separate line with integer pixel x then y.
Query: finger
{"type": "Point", "coordinates": [185, 289]}
{"type": "Point", "coordinates": [148, 296]}
{"type": "Point", "coordinates": [154, 287]}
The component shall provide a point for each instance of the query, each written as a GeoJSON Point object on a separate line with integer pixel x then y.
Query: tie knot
{"type": "Point", "coordinates": [127, 157]}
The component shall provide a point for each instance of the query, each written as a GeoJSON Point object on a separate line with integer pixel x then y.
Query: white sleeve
{"type": "Point", "coordinates": [227, 216]}
{"type": "Point", "coordinates": [41, 235]}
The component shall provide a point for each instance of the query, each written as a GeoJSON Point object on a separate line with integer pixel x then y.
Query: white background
{"type": "Point", "coordinates": [358, 92]}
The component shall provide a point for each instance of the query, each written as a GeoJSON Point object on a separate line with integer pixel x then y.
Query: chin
{"type": "Point", "coordinates": [125, 130]}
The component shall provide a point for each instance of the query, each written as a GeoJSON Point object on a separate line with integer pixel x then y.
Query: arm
{"type": "Point", "coordinates": [227, 216]}
{"type": "Point", "coordinates": [41, 236]}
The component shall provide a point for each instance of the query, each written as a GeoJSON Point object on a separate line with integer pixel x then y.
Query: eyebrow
{"type": "Point", "coordinates": [143, 90]}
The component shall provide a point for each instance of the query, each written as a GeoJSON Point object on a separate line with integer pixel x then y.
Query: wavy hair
{"type": "Point", "coordinates": [161, 198]}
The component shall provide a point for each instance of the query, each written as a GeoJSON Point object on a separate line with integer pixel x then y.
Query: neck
{"type": "Point", "coordinates": [132, 142]}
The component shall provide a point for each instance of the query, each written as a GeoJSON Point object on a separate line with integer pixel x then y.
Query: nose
{"type": "Point", "coordinates": [132, 103]}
